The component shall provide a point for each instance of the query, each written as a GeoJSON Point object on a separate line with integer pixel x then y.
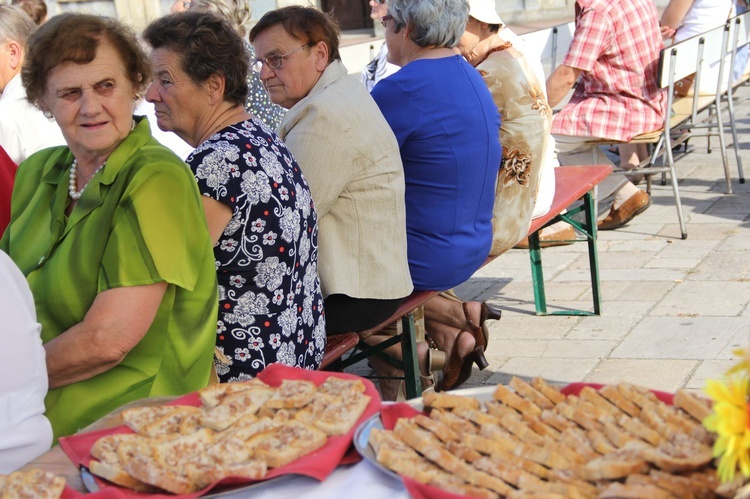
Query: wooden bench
{"type": "Point", "coordinates": [571, 184]}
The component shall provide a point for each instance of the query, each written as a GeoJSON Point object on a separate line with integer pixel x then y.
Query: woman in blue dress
{"type": "Point", "coordinates": [447, 126]}
{"type": "Point", "coordinates": [257, 203]}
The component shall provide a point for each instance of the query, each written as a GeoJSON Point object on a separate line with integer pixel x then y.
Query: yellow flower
{"type": "Point", "coordinates": [729, 421]}
{"type": "Point", "coordinates": [743, 364]}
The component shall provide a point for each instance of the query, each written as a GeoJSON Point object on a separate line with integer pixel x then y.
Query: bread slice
{"type": "Point", "coordinates": [33, 484]}
{"type": "Point", "coordinates": [339, 386]}
{"type": "Point", "coordinates": [236, 406]}
{"type": "Point", "coordinates": [442, 400]}
{"type": "Point", "coordinates": [698, 407]}
{"type": "Point", "coordinates": [225, 458]}
{"type": "Point", "coordinates": [611, 393]}
{"type": "Point", "coordinates": [246, 429]}
{"type": "Point", "coordinates": [138, 418]}
{"type": "Point", "coordinates": [292, 394]}
{"type": "Point", "coordinates": [332, 414]}
{"type": "Point", "coordinates": [115, 474]}
{"type": "Point", "coordinates": [286, 443]}
{"type": "Point", "coordinates": [212, 395]}
{"type": "Point", "coordinates": [530, 393]}
{"type": "Point", "coordinates": [509, 397]}
{"type": "Point", "coordinates": [142, 464]}
{"type": "Point", "coordinates": [184, 416]}
{"type": "Point", "coordinates": [548, 390]}
{"type": "Point", "coordinates": [107, 461]}
{"type": "Point", "coordinates": [617, 490]}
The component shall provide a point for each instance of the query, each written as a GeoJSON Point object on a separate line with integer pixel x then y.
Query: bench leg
{"type": "Point", "coordinates": [537, 274]}
{"type": "Point", "coordinates": [588, 228]}
{"type": "Point", "coordinates": [589, 209]}
{"type": "Point", "coordinates": [411, 362]}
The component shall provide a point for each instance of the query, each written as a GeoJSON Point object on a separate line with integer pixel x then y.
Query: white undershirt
{"type": "Point", "coordinates": [24, 430]}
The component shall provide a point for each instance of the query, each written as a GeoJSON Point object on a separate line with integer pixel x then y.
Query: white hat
{"type": "Point", "coordinates": [484, 11]}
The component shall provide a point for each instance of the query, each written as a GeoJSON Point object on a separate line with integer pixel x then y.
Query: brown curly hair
{"type": "Point", "coordinates": [75, 37]}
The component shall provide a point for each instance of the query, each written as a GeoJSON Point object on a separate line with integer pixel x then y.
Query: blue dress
{"type": "Point", "coordinates": [270, 303]}
{"type": "Point", "coordinates": [447, 127]}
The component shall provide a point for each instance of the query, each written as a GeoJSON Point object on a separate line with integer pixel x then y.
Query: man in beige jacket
{"type": "Point", "coordinates": [350, 159]}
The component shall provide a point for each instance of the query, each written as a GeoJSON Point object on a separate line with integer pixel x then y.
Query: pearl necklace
{"type": "Point", "coordinates": [73, 192]}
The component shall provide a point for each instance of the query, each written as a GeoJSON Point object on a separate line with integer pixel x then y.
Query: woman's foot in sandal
{"type": "Point", "coordinates": [461, 352]}
{"type": "Point", "coordinates": [476, 315]}
{"type": "Point", "coordinates": [395, 389]}
{"type": "Point", "coordinates": [457, 369]}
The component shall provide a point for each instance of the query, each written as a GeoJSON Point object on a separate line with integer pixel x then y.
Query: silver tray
{"type": "Point", "coordinates": [362, 433]}
{"type": "Point", "coordinates": [90, 483]}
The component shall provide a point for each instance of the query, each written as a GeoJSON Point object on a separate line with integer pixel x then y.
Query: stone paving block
{"type": "Point", "coordinates": [723, 266]}
{"type": "Point", "coordinates": [737, 240]}
{"type": "Point", "coordinates": [622, 308]}
{"type": "Point", "coordinates": [740, 338]}
{"type": "Point", "coordinates": [513, 327]}
{"type": "Point", "coordinates": [602, 328]}
{"type": "Point", "coordinates": [705, 299]}
{"type": "Point", "coordinates": [610, 291]}
{"type": "Point", "coordinates": [660, 275]}
{"type": "Point", "coordinates": [710, 232]}
{"type": "Point", "coordinates": [577, 349]}
{"type": "Point", "coordinates": [570, 290]}
{"type": "Point", "coordinates": [735, 204]}
{"type": "Point", "coordinates": [614, 260]}
{"type": "Point", "coordinates": [688, 249]}
{"type": "Point", "coordinates": [716, 218]}
{"type": "Point", "coordinates": [649, 291]}
{"type": "Point", "coordinates": [672, 263]}
{"type": "Point", "coordinates": [638, 229]}
{"type": "Point", "coordinates": [552, 369]}
{"type": "Point", "coordinates": [517, 347]}
{"type": "Point", "coordinates": [708, 369]}
{"type": "Point", "coordinates": [665, 375]}
{"type": "Point", "coordinates": [677, 338]}
{"type": "Point", "coordinates": [650, 245]}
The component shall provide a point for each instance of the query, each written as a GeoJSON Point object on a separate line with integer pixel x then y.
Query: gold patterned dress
{"type": "Point", "coordinates": [524, 133]}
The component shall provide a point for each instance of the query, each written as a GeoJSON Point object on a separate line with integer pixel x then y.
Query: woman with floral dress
{"type": "Point", "coordinates": [257, 203]}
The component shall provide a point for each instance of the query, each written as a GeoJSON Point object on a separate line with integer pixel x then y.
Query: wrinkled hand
{"type": "Point", "coordinates": [667, 32]}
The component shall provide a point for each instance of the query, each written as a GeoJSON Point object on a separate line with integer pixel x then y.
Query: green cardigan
{"type": "Point", "coordinates": [140, 221]}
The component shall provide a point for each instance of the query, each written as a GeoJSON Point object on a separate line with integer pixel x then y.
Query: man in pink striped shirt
{"type": "Point", "coordinates": [615, 53]}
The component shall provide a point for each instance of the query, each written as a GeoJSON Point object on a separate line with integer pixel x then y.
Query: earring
{"type": "Point", "coordinates": [48, 115]}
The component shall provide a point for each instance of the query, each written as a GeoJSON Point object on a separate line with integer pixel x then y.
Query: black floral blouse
{"type": "Point", "coordinates": [270, 303]}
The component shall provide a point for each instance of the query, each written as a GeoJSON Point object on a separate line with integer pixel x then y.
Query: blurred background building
{"type": "Point", "coordinates": [353, 15]}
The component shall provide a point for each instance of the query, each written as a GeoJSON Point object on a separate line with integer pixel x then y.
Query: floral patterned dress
{"type": "Point", "coordinates": [270, 303]}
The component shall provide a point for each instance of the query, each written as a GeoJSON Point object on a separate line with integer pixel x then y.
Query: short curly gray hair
{"type": "Point", "coordinates": [438, 23]}
{"type": "Point", "coordinates": [237, 12]}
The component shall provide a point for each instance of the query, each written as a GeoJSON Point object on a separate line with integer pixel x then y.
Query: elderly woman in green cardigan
{"type": "Point", "coordinates": [109, 232]}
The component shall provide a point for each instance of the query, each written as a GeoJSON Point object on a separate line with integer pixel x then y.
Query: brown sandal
{"type": "Point", "coordinates": [457, 369]}
{"type": "Point", "coordinates": [481, 332]}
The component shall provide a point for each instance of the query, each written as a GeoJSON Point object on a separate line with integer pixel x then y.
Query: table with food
{"type": "Point", "coordinates": [297, 433]}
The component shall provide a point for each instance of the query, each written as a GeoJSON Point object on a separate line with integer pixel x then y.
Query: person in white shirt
{"type": "Point", "coordinates": [379, 67]}
{"type": "Point", "coordinates": [24, 430]}
{"type": "Point", "coordinates": [683, 19]}
{"type": "Point", "coordinates": [23, 128]}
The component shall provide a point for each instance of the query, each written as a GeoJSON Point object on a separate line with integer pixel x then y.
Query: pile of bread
{"type": "Point", "coordinates": [241, 430]}
{"type": "Point", "coordinates": [32, 484]}
{"type": "Point", "coordinates": [533, 441]}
